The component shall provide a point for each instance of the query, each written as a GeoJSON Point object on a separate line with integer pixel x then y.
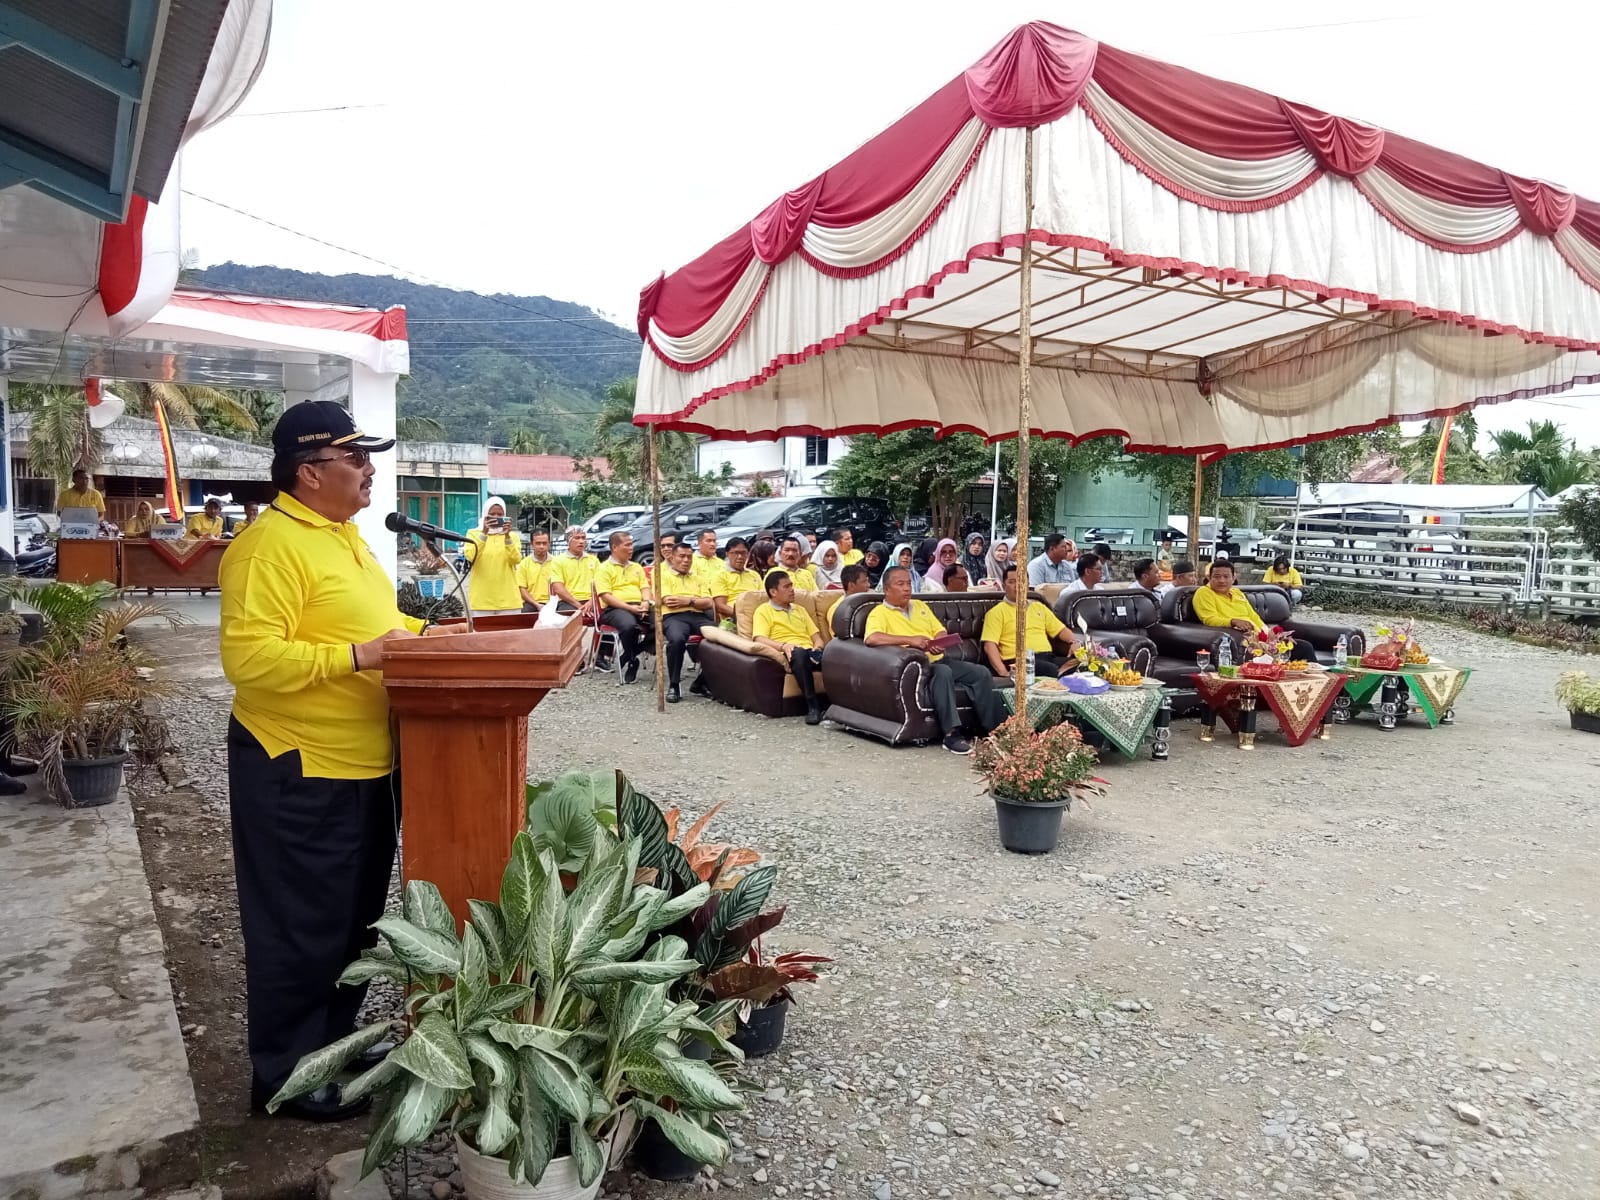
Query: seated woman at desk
{"type": "Point", "coordinates": [207, 524]}
{"type": "Point", "coordinates": [143, 520]}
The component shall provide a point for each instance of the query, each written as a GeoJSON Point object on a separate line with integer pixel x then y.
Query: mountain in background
{"type": "Point", "coordinates": [482, 366]}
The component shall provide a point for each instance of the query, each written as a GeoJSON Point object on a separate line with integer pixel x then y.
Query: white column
{"type": "Point", "coordinates": [372, 406]}
{"type": "Point", "coordinates": [8, 528]}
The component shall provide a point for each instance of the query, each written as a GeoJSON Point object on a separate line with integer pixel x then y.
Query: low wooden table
{"type": "Point", "coordinates": [1123, 718]}
{"type": "Point", "coordinates": [1301, 702]}
{"type": "Point", "coordinates": [188, 564]}
{"type": "Point", "coordinates": [1434, 687]}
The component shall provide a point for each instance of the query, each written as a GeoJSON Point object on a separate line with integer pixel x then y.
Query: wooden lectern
{"type": "Point", "coordinates": [463, 701]}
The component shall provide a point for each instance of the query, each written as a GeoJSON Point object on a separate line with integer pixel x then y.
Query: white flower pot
{"type": "Point", "coordinates": [487, 1178]}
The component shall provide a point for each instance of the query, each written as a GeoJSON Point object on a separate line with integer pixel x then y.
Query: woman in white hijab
{"type": "Point", "coordinates": [901, 556]}
{"type": "Point", "coordinates": [494, 549]}
{"type": "Point", "coordinates": [827, 564]}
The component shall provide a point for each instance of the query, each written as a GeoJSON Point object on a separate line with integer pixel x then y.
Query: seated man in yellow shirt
{"type": "Point", "coordinates": [737, 578]}
{"type": "Point", "coordinates": [790, 556]}
{"type": "Point", "coordinates": [1223, 606]}
{"type": "Point", "coordinates": [708, 565]}
{"type": "Point", "coordinates": [999, 635]}
{"type": "Point", "coordinates": [855, 578]}
{"type": "Point", "coordinates": [532, 574]}
{"type": "Point", "coordinates": [207, 524]}
{"type": "Point", "coordinates": [903, 621]}
{"type": "Point", "coordinates": [572, 573]}
{"type": "Point", "coordinates": [625, 598]}
{"type": "Point", "coordinates": [686, 608]}
{"type": "Point", "coordinates": [846, 542]}
{"type": "Point", "coordinates": [784, 625]}
{"type": "Point", "coordinates": [1286, 577]}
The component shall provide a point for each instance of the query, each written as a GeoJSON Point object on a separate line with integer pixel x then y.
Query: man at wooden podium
{"type": "Point", "coordinates": [306, 609]}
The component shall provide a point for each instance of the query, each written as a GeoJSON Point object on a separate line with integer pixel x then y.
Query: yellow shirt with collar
{"type": "Point", "coordinates": [1000, 627]}
{"type": "Point", "coordinates": [202, 526]}
{"type": "Point", "coordinates": [624, 582]}
{"type": "Point", "coordinates": [793, 628]}
{"type": "Point", "coordinates": [575, 574]}
{"type": "Point", "coordinates": [535, 576]}
{"type": "Point", "coordinates": [89, 497]}
{"type": "Point", "coordinates": [298, 591]}
{"type": "Point", "coordinates": [1216, 610]}
{"type": "Point", "coordinates": [851, 557]}
{"type": "Point", "coordinates": [1289, 578]}
{"type": "Point", "coordinates": [692, 584]}
{"type": "Point", "coordinates": [734, 584]}
{"type": "Point", "coordinates": [919, 620]}
{"type": "Point", "coordinates": [803, 578]}
{"type": "Point", "coordinates": [710, 569]}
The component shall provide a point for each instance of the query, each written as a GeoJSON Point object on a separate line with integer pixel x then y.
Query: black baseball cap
{"type": "Point", "coordinates": [313, 424]}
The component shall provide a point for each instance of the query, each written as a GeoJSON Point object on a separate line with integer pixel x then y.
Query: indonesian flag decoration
{"type": "Point", "coordinates": [169, 457]}
{"type": "Point", "coordinates": [105, 406]}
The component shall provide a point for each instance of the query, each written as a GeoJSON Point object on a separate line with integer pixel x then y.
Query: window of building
{"type": "Point", "coordinates": [816, 452]}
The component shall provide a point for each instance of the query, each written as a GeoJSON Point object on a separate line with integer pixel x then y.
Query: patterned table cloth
{"type": "Point", "coordinates": [1434, 687]}
{"type": "Point", "coordinates": [1299, 701]}
{"type": "Point", "coordinates": [1123, 717]}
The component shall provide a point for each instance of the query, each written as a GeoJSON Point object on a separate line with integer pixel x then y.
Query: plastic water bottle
{"type": "Point", "coordinates": [1029, 677]}
{"type": "Point", "coordinates": [1341, 650]}
{"type": "Point", "coordinates": [1225, 653]}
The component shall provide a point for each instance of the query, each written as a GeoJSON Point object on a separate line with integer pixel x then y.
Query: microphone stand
{"type": "Point", "coordinates": [466, 607]}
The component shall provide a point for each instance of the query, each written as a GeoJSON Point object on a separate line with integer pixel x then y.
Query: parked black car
{"type": "Point", "coordinates": [682, 517]}
{"type": "Point", "coordinates": [867, 518]}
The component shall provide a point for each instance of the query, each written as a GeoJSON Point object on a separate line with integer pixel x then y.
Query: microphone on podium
{"type": "Point", "coordinates": [400, 523]}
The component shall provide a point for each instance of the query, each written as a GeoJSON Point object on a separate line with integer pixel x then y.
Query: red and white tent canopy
{"type": "Point", "coordinates": [1214, 268]}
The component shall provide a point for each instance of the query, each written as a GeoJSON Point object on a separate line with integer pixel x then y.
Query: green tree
{"type": "Point", "coordinates": [419, 429]}
{"type": "Point", "coordinates": [525, 441]}
{"type": "Point", "coordinates": [625, 446]}
{"type": "Point", "coordinates": [1462, 462]}
{"type": "Point", "coordinates": [1582, 512]}
{"type": "Point", "coordinates": [1544, 457]}
{"type": "Point", "coordinates": [189, 406]}
{"type": "Point", "coordinates": [60, 438]}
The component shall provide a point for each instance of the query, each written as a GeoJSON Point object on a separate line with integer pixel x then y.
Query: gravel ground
{"type": "Point", "coordinates": [1366, 967]}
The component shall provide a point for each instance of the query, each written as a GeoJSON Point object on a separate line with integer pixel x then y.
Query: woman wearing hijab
{"type": "Point", "coordinates": [142, 521]}
{"type": "Point", "coordinates": [922, 555]}
{"type": "Point", "coordinates": [875, 560]}
{"type": "Point", "coordinates": [973, 560]}
{"type": "Point", "coordinates": [827, 564]}
{"type": "Point", "coordinates": [999, 555]}
{"type": "Point", "coordinates": [494, 549]}
{"type": "Point", "coordinates": [944, 557]}
{"type": "Point", "coordinates": [763, 556]}
{"type": "Point", "coordinates": [903, 556]}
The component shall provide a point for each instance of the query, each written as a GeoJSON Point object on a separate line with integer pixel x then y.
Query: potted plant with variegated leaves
{"type": "Point", "coordinates": [1580, 696]}
{"type": "Point", "coordinates": [540, 1025]}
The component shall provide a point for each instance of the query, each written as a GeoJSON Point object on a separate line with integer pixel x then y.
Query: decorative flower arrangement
{"type": "Point", "coordinates": [1097, 659]}
{"type": "Point", "coordinates": [1267, 653]}
{"type": "Point", "coordinates": [1019, 764]}
{"type": "Point", "coordinates": [1397, 647]}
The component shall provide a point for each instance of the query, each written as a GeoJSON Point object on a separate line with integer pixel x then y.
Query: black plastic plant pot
{"type": "Point", "coordinates": [1588, 722]}
{"type": "Point", "coordinates": [763, 1032]}
{"type": "Point", "coordinates": [1029, 828]}
{"type": "Point", "coordinates": [93, 782]}
{"type": "Point", "coordinates": [657, 1157]}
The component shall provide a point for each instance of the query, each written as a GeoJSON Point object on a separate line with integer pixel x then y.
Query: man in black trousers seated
{"type": "Point", "coordinates": [625, 599]}
{"type": "Point", "coordinates": [686, 607]}
{"type": "Point", "coordinates": [785, 626]}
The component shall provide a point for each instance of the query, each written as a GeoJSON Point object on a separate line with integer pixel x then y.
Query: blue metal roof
{"type": "Point", "coordinates": [94, 94]}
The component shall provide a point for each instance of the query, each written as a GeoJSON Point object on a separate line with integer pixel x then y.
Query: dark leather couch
{"type": "Point", "coordinates": [1180, 633]}
{"type": "Point", "coordinates": [1123, 617]}
{"type": "Point", "coordinates": [740, 673]}
{"type": "Point", "coordinates": [883, 690]}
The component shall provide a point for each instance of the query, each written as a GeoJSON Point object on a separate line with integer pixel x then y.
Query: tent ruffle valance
{"type": "Point", "coordinates": [1237, 255]}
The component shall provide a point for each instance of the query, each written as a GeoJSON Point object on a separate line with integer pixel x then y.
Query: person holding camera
{"type": "Point", "coordinates": [494, 549]}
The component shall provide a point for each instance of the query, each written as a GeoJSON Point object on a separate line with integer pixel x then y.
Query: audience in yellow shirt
{"type": "Point", "coordinates": [572, 573]}
{"type": "Point", "coordinates": [207, 524]}
{"type": "Point", "coordinates": [737, 579]}
{"type": "Point", "coordinates": [533, 574]}
{"type": "Point", "coordinates": [783, 625]}
{"type": "Point", "coordinates": [625, 598]}
{"type": "Point", "coordinates": [686, 609]}
{"type": "Point", "coordinates": [1045, 633]}
{"type": "Point", "coordinates": [1285, 577]}
{"type": "Point", "coordinates": [1223, 606]}
{"type": "Point", "coordinates": [494, 549]}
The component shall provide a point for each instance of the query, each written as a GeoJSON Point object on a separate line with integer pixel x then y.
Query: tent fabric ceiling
{"type": "Point", "coordinates": [1215, 269]}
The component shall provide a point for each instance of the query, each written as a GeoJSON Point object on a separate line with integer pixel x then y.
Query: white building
{"type": "Point", "coordinates": [791, 466]}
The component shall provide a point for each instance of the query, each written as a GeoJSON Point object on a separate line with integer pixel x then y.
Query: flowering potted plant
{"type": "Point", "coordinates": [1097, 659]}
{"type": "Point", "coordinates": [1033, 779]}
{"type": "Point", "coordinates": [1580, 696]}
{"type": "Point", "coordinates": [1268, 653]}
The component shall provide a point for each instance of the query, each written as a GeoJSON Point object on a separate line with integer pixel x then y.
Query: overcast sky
{"type": "Point", "coordinates": [575, 151]}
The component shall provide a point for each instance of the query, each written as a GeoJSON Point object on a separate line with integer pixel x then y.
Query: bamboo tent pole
{"type": "Point", "coordinates": [1194, 510]}
{"type": "Point", "coordinates": [655, 567]}
{"type": "Point", "coordinates": [1024, 420]}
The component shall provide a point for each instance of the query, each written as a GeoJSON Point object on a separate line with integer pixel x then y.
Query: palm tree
{"type": "Point", "coordinates": [526, 441]}
{"type": "Point", "coordinates": [625, 445]}
{"type": "Point", "coordinates": [190, 406]}
{"type": "Point", "coordinates": [419, 429]}
{"type": "Point", "coordinates": [1544, 457]}
{"type": "Point", "coordinates": [60, 438]}
{"type": "Point", "coordinates": [1462, 462]}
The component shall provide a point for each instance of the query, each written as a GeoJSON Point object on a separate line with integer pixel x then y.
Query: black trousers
{"type": "Point", "coordinates": [977, 682]}
{"type": "Point", "coordinates": [1045, 666]}
{"type": "Point", "coordinates": [631, 628]}
{"type": "Point", "coordinates": [803, 661]}
{"type": "Point", "coordinates": [312, 859]}
{"type": "Point", "coordinates": [677, 629]}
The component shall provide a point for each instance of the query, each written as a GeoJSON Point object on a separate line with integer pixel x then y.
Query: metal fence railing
{"type": "Point", "coordinates": [1487, 562]}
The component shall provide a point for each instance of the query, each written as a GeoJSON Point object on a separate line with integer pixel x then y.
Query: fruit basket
{"type": "Point", "coordinates": [1264, 671]}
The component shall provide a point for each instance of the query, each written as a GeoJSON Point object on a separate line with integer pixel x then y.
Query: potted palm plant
{"type": "Point", "coordinates": [543, 1029]}
{"type": "Point", "coordinates": [78, 698]}
{"type": "Point", "coordinates": [1033, 779]}
{"type": "Point", "coordinates": [1580, 696]}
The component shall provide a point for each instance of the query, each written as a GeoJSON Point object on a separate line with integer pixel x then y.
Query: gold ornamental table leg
{"type": "Point", "coordinates": [1247, 718]}
{"type": "Point", "coordinates": [1324, 732]}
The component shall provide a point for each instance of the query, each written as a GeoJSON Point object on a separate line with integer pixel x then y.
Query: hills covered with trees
{"type": "Point", "coordinates": [486, 368]}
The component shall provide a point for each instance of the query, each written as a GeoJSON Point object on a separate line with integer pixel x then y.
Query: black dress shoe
{"type": "Point", "coordinates": [19, 766]}
{"type": "Point", "coordinates": [672, 694]}
{"type": "Point", "coordinates": [11, 787]}
{"type": "Point", "coordinates": [321, 1105]}
{"type": "Point", "coordinates": [699, 688]}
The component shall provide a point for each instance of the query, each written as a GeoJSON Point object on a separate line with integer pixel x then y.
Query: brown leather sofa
{"type": "Point", "coordinates": [740, 672]}
{"type": "Point", "coordinates": [1180, 633]}
{"type": "Point", "coordinates": [1120, 617]}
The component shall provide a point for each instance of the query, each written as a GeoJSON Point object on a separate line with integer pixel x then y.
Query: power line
{"type": "Point", "coordinates": [295, 112]}
{"type": "Point", "coordinates": [619, 335]}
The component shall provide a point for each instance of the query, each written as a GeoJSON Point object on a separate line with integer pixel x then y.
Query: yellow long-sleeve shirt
{"type": "Point", "coordinates": [492, 586]}
{"type": "Point", "coordinates": [298, 591]}
{"type": "Point", "coordinates": [1216, 610]}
